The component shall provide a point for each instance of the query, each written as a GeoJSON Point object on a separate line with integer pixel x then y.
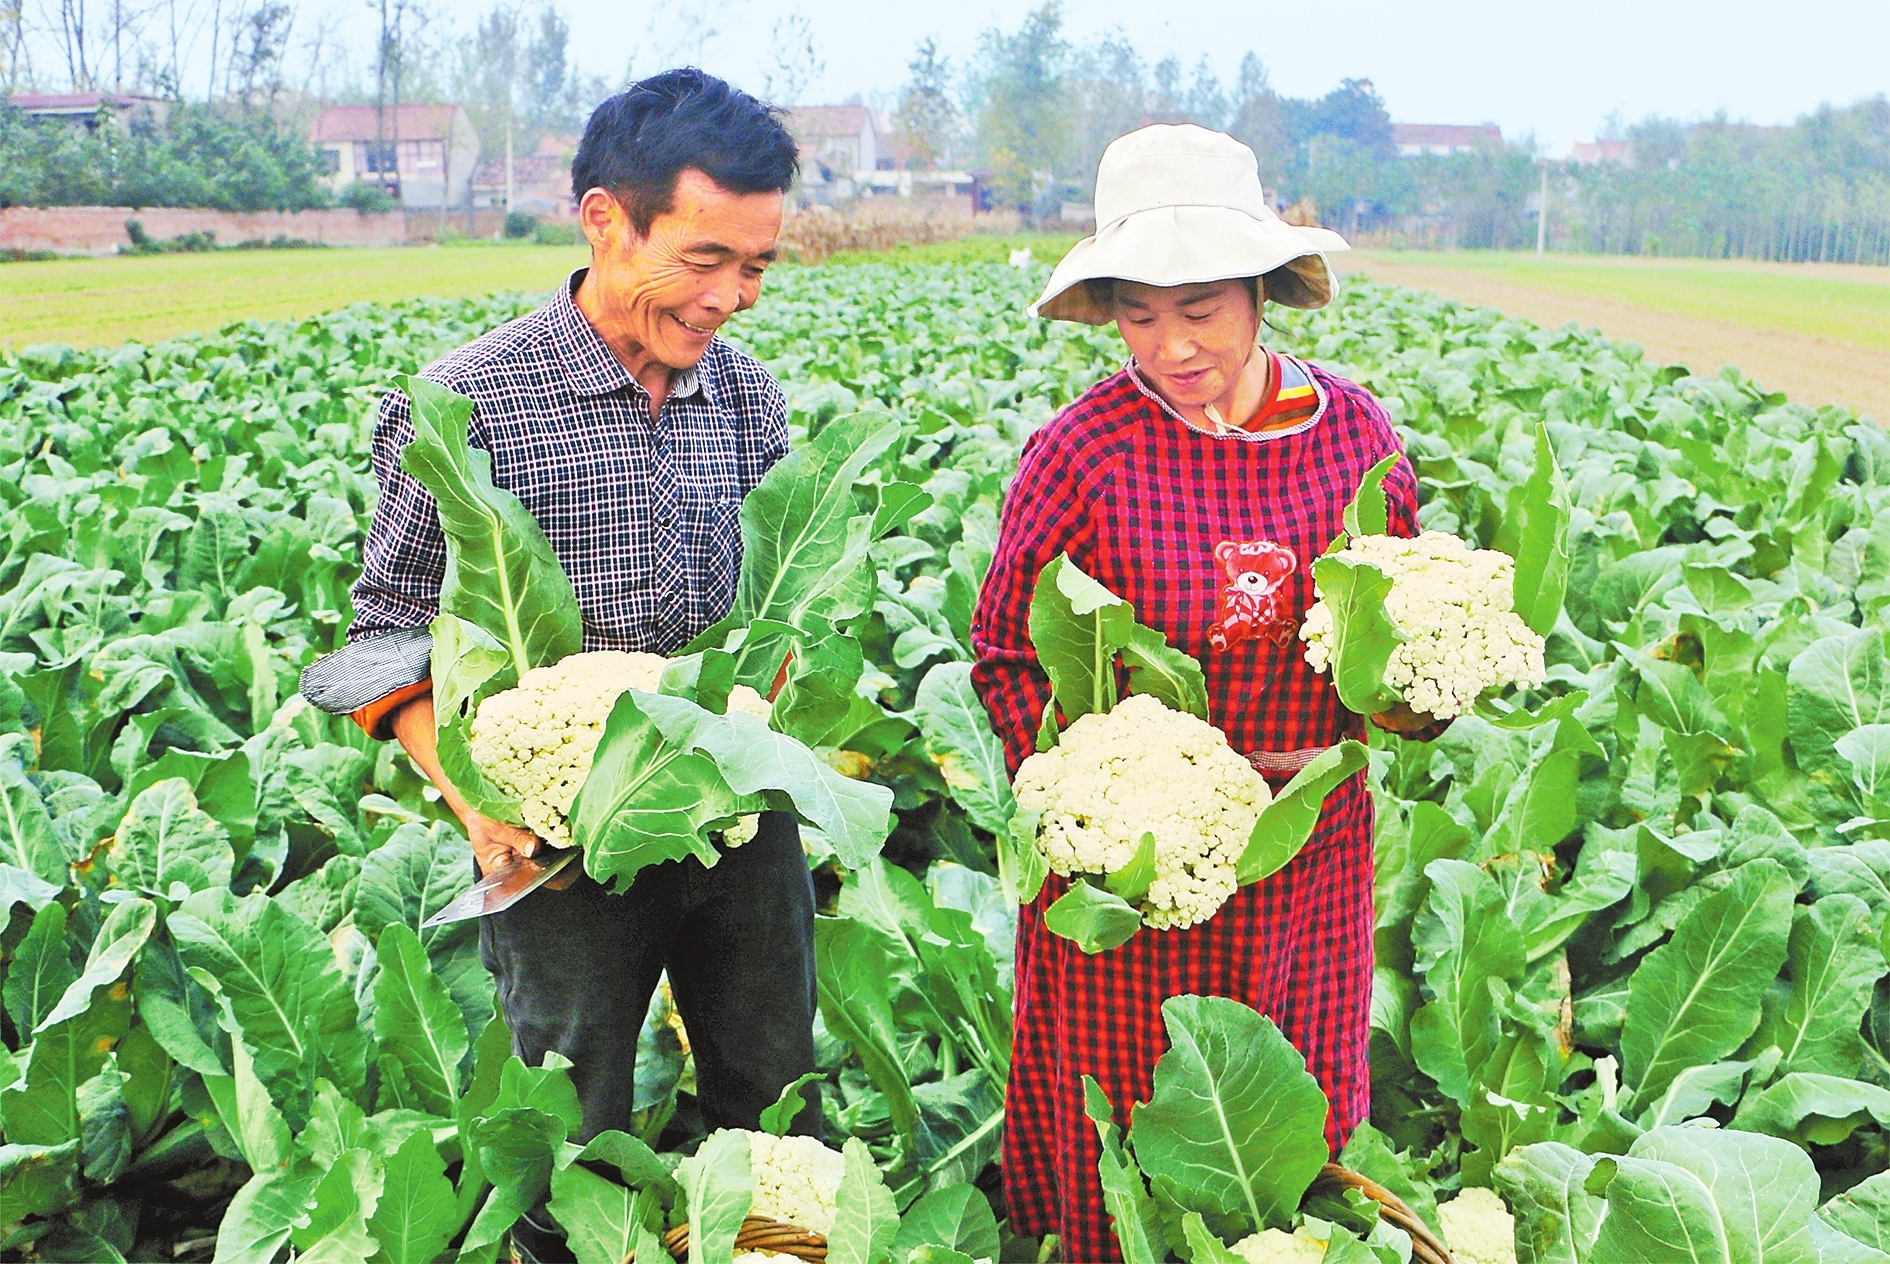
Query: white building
{"type": "Point", "coordinates": [424, 155]}
{"type": "Point", "coordinates": [1441, 140]}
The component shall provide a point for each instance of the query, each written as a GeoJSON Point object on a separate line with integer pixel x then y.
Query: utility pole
{"type": "Point", "coordinates": [1542, 214]}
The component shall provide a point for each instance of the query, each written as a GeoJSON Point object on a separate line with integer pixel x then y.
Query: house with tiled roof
{"type": "Point", "coordinates": [423, 155]}
{"type": "Point", "coordinates": [86, 109]}
{"type": "Point", "coordinates": [1441, 140]}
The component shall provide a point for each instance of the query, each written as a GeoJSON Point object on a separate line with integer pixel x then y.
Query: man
{"type": "Point", "coordinates": [631, 432]}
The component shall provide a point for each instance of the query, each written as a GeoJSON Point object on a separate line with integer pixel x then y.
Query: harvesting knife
{"type": "Point", "coordinates": [502, 888]}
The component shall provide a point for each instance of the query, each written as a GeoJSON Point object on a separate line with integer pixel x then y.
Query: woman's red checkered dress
{"type": "Point", "coordinates": [1140, 500]}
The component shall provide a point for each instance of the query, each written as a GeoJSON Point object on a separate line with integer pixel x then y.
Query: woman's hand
{"type": "Point", "coordinates": [1401, 719]}
{"type": "Point", "coordinates": [496, 844]}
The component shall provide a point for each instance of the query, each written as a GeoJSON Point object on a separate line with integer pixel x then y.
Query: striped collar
{"type": "Point", "coordinates": [1295, 401]}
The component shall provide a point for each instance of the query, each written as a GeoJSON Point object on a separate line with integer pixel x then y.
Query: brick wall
{"type": "Point", "coordinates": [100, 230]}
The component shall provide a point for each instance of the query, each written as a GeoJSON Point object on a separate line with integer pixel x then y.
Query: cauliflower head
{"type": "Point", "coordinates": [1144, 768]}
{"type": "Point", "coordinates": [536, 739]}
{"type": "Point", "coordinates": [796, 1180]}
{"type": "Point", "coordinates": [1456, 606]}
{"type": "Point", "coordinates": [1270, 1246]}
{"type": "Point", "coordinates": [1479, 1228]}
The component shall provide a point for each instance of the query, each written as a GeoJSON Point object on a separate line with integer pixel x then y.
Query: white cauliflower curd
{"type": "Point", "coordinates": [1456, 606]}
{"type": "Point", "coordinates": [1479, 1228]}
{"type": "Point", "coordinates": [796, 1180]}
{"type": "Point", "coordinates": [1143, 768]}
{"type": "Point", "coordinates": [535, 740]}
{"type": "Point", "coordinates": [1273, 1247]}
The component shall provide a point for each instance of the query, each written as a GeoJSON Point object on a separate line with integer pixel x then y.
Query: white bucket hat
{"type": "Point", "coordinates": [1177, 205]}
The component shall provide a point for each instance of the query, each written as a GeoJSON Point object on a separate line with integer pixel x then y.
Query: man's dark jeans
{"type": "Point", "coordinates": [576, 969]}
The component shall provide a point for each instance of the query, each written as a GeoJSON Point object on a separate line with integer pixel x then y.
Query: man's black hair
{"type": "Point", "coordinates": [640, 140]}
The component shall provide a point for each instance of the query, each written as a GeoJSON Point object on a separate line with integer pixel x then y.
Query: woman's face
{"type": "Point", "coordinates": [1191, 341]}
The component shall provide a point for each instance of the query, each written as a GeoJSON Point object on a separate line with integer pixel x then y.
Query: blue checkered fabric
{"type": "Point", "coordinates": [643, 516]}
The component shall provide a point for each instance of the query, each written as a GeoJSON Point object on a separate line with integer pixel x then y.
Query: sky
{"type": "Point", "coordinates": [1554, 70]}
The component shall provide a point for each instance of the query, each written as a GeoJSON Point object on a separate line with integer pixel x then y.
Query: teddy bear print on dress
{"type": "Point", "coordinates": [1253, 601]}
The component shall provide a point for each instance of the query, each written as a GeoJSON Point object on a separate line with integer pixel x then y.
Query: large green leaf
{"type": "Point", "coordinates": [1236, 1126]}
{"type": "Point", "coordinates": [501, 574]}
{"type": "Point", "coordinates": [43, 1107]}
{"type": "Point", "coordinates": [865, 1216]}
{"type": "Point", "coordinates": [281, 994]}
{"type": "Point", "coordinates": [1836, 685]}
{"type": "Point", "coordinates": [123, 932]}
{"type": "Point", "coordinates": [36, 1180]}
{"type": "Point", "coordinates": [1540, 513]}
{"type": "Point", "coordinates": [754, 760]}
{"type": "Point", "coordinates": [600, 1216]}
{"type": "Point", "coordinates": [804, 545]}
{"type": "Point", "coordinates": [1133, 1214]}
{"type": "Point", "coordinates": [1093, 919]}
{"type": "Point", "coordinates": [1696, 998]}
{"type": "Point", "coordinates": [959, 739]}
{"type": "Point", "coordinates": [1285, 824]}
{"type": "Point", "coordinates": [1834, 959]}
{"type": "Point", "coordinates": [1170, 676]}
{"type": "Point", "coordinates": [27, 838]}
{"type": "Point", "coordinates": [1078, 627]}
{"type": "Point", "coordinates": [854, 975]}
{"type": "Point", "coordinates": [1363, 636]}
{"type": "Point", "coordinates": [169, 847]}
{"type": "Point", "coordinates": [1466, 946]}
{"type": "Point", "coordinates": [720, 1187]}
{"type": "Point", "coordinates": [1692, 1195]}
{"type": "Point", "coordinates": [647, 799]}
{"type": "Point", "coordinates": [41, 969]}
{"type": "Point", "coordinates": [1814, 1109]}
{"type": "Point", "coordinates": [421, 1033]}
{"type": "Point", "coordinates": [179, 1014]}
{"type": "Point", "coordinates": [1556, 1217]}
{"type": "Point", "coordinates": [957, 1217]}
{"type": "Point", "coordinates": [1862, 1212]}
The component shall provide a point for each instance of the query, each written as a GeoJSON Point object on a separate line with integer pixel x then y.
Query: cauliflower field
{"type": "Point", "coordinates": [1666, 906]}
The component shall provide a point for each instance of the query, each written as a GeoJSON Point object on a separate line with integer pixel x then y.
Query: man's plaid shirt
{"type": "Point", "coordinates": [643, 516]}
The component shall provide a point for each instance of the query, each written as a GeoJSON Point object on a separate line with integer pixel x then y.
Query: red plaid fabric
{"type": "Point", "coordinates": [1140, 500]}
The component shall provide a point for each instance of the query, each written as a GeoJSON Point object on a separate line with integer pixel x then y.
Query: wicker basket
{"type": "Point", "coordinates": [760, 1234]}
{"type": "Point", "coordinates": [1425, 1248]}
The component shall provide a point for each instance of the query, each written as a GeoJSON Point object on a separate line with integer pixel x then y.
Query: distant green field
{"type": "Point", "coordinates": [1848, 304]}
{"type": "Point", "coordinates": [103, 302]}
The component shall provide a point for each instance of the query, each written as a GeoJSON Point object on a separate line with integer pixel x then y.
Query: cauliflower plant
{"type": "Point", "coordinates": [535, 740]}
{"type": "Point", "coordinates": [1143, 768]}
{"type": "Point", "coordinates": [796, 1180]}
{"type": "Point", "coordinates": [1270, 1246]}
{"type": "Point", "coordinates": [1479, 1228]}
{"type": "Point", "coordinates": [1455, 605]}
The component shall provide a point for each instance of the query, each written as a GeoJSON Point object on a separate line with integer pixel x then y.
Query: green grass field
{"type": "Point", "coordinates": [103, 302]}
{"type": "Point", "coordinates": [1839, 303]}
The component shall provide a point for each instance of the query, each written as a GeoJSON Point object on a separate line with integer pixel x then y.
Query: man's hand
{"type": "Point", "coordinates": [496, 844]}
{"type": "Point", "coordinates": [1402, 719]}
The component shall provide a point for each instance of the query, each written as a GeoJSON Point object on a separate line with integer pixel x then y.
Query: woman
{"type": "Point", "coordinates": [1199, 483]}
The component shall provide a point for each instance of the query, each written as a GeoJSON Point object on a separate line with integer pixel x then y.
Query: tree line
{"type": "Point", "coordinates": [1035, 110]}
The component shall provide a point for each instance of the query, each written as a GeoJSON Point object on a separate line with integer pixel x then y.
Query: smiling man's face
{"type": "Point", "coordinates": [661, 296]}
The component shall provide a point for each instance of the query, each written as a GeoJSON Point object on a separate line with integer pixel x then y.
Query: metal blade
{"type": "Point", "coordinates": [502, 888]}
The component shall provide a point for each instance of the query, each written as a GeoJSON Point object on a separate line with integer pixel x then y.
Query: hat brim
{"type": "Point", "coordinates": [1186, 245]}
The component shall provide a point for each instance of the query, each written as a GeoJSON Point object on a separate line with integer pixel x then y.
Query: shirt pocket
{"type": "Point", "coordinates": [720, 560]}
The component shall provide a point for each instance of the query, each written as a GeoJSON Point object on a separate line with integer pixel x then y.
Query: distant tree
{"type": "Point", "coordinates": [794, 60]}
{"type": "Point", "coordinates": [1025, 118]}
{"type": "Point", "coordinates": [926, 113]}
{"type": "Point", "coordinates": [260, 43]}
{"type": "Point", "coordinates": [1206, 103]}
{"type": "Point", "coordinates": [1259, 122]}
{"type": "Point", "coordinates": [1353, 111]}
{"type": "Point", "coordinates": [1108, 86]}
{"type": "Point", "coordinates": [1165, 103]}
{"type": "Point", "coordinates": [490, 79]}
